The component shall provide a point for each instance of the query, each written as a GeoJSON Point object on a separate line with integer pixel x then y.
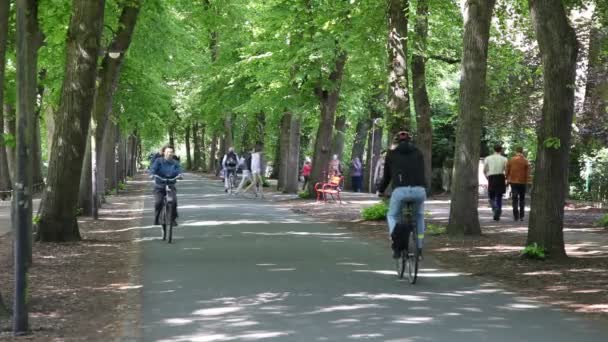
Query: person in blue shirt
{"type": "Point", "coordinates": [166, 167]}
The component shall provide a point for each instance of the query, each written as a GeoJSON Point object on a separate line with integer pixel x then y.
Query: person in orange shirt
{"type": "Point", "coordinates": [518, 170]}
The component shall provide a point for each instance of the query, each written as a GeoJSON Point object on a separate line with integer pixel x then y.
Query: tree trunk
{"type": "Point", "coordinates": [464, 217]}
{"type": "Point", "coordinates": [292, 165]}
{"type": "Point", "coordinates": [131, 154]}
{"type": "Point", "coordinates": [188, 155]}
{"type": "Point", "coordinates": [328, 102]}
{"type": "Point", "coordinates": [398, 104]}
{"type": "Point", "coordinates": [4, 313]}
{"type": "Point", "coordinates": [10, 127]}
{"type": "Point", "coordinates": [558, 49]}
{"type": "Point", "coordinates": [373, 150]}
{"type": "Point", "coordinates": [109, 76]}
{"type": "Point", "coordinates": [85, 191]}
{"type": "Point", "coordinates": [201, 149]}
{"type": "Point", "coordinates": [196, 147]}
{"type": "Point", "coordinates": [57, 220]}
{"type": "Point", "coordinates": [38, 178]}
{"type": "Point", "coordinates": [228, 138]}
{"type": "Point", "coordinates": [339, 136]}
{"type": "Point", "coordinates": [283, 161]}
{"type": "Point", "coordinates": [276, 165]}
{"type": "Point", "coordinates": [49, 122]}
{"type": "Point", "coordinates": [110, 158]}
{"type": "Point", "coordinates": [424, 137]}
{"type": "Point", "coordinates": [122, 156]}
{"type": "Point", "coordinates": [594, 120]}
{"type": "Point", "coordinates": [5, 178]}
{"type": "Point", "coordinates": [171, 132]}
{"type": "Point", "coordinates": [360, 139]}
{"type": "Point", "coordinates": [212, 153]}
{"type": "Point", "coordinates": [260, 129]}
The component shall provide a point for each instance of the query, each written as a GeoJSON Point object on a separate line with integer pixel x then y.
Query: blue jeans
{"type": "Point", "coordinates": [399, 197]}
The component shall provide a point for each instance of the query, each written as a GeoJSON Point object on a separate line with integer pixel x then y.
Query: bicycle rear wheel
{"type": "Point", "coordinates": [401, 264]}
{"type": "Point", "coordinates": [411, 258]}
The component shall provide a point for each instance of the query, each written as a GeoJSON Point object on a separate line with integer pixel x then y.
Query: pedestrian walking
{"type": "Point", "coordinates": [494, 170]}
{"type": "Point", "coordinates": [356, 174]}
{"type": "Point", "coordinates": [517, 173]}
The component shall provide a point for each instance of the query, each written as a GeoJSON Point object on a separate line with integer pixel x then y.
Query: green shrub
{"type": "Point", "coordinates": [121, 186]}
{"type": "Point", "coordinates": [603, 222]}
{"type": "Point", "coordinates": [435, 229]}
{"type": "Point", "coordinates": [376, 212]}
{"type": "Point", "coordinates": [534, 251]}
{"type": "Point", "coordinates": [36, 219]}
{"type": "Point", "coordinates": [304, 194]}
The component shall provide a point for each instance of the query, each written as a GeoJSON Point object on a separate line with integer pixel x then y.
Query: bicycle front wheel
{"type": "Point", "coordinates": [169, 222]}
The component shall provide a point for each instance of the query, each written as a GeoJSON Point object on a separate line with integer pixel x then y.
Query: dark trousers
{"type": "Point", "coordinates": [306, 180]}
{"type": "Point", "coordinates": [357, 183]}
{"type": "Point", "coordinates": [496, 202]}
{"type": "Point", "coordinates": [159, 195]}
{"type": "Point", "coordinates": [518, 192]}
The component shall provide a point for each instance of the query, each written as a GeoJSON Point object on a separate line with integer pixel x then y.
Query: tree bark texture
{"type": "Point", "coordinates": [260, 129]}
{"type": "Point", "coordinates": [283, 161]}
{"type": "Point", "coordinates": [339, 136]}
{"type": "Point", "coordinates": [58, 207]}
{"type": "Point", "coordinates": [594, 121]}
{"type": "Point", "coordinates": [558, 49]}
{"type": "Point", "coordinates": [228, 137]}
{"type": "Point", "coordinates": [10, 127]}
{"type": "Point", "coordinates": [292, 165]}
{"type": "Point", "coordinates": [212, 154]}
{"type": "Point", "coordinates": [132, 144]}
{"type": "Point", "coordinates": [398, 101]}
{"type": "Point", "coordinates": [374, 148]}
{"type": "Point", "coordinates": [328, 103]}
{"type": "Point", "coordinates": [5, 178]}
{"type": "Point", "coordinates": [464, 217]}
{"type": "Point", "coordinates": [108, 83]}
{"type": "Point", "coordinates": [196, 147]}
{"type": "Point", "coordinates": [363, 126]}
{"type": "Point", "coordinates": [188, 155]}
{"type": "Point", "coordinates": [85, 192]}
{"type": "Point", "coordinates": [424, 136]}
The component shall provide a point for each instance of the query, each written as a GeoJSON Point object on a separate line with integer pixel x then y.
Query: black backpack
{"type": "Point", "coordinates": [231, 160]}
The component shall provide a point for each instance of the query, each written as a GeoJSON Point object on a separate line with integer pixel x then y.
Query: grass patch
{"type": "Point", "coordinates": [304, 194]}
{"type": "Point", "coordinates": [603, 222]}
{"type": "Point", "coordinates": [376, 212]}
{"type": "Point", "coordinates": [435, 229]}
{"type": "Point", "coordinates": [534, 251]}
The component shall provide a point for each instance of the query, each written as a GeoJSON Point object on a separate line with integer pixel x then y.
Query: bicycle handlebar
{"type": "Point", "coordinates": [168, 179]}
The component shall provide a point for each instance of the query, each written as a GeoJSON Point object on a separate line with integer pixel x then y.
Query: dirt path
{"type": "Point", "coordinates": [579, 283]}
{"type": "Point", "coordinates": [83, 291]}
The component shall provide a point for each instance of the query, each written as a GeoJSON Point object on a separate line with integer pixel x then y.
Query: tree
{"type": "Point", "coordinates": [5, 180]}
{"type": "Point", "coordinates": [58, 207]}
{"type": "Point", "coordinates": [398, 116]}
{"type": "Point", "coordinates": [558, 48]}
{"type": "Point", "coordinates": [424, 135]}
{"type": "Point", "coordinates": [464, 218]}
{"type": "Point", "coordinates": [328, 102]}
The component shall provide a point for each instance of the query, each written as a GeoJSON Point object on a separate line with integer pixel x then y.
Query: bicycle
{"type": "Point", "coordinates": [256, 183]}
{"type": "Point", "coordinates": [410, 254]}
{"type": "Point", "coordinates": [166, 211]}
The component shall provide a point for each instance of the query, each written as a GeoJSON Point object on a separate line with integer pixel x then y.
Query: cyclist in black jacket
{"type": "Point", "coordinates": [404, 168]}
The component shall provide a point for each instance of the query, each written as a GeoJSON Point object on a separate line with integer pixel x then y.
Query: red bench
{"type": "Point", "coordinates": [333, 188]}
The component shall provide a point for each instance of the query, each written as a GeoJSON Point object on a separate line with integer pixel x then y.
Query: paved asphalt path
{"type": "Point", "coordinates": [248, 270]}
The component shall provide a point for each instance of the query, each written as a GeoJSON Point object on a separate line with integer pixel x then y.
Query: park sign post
{"type": "Point", "coordinates": [22, 199]}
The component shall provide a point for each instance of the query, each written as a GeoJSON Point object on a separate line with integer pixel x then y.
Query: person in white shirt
{"type": "Point", "coordinates": [494, 169]}
{"type": "Point", "coordinates": [256, 170]}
